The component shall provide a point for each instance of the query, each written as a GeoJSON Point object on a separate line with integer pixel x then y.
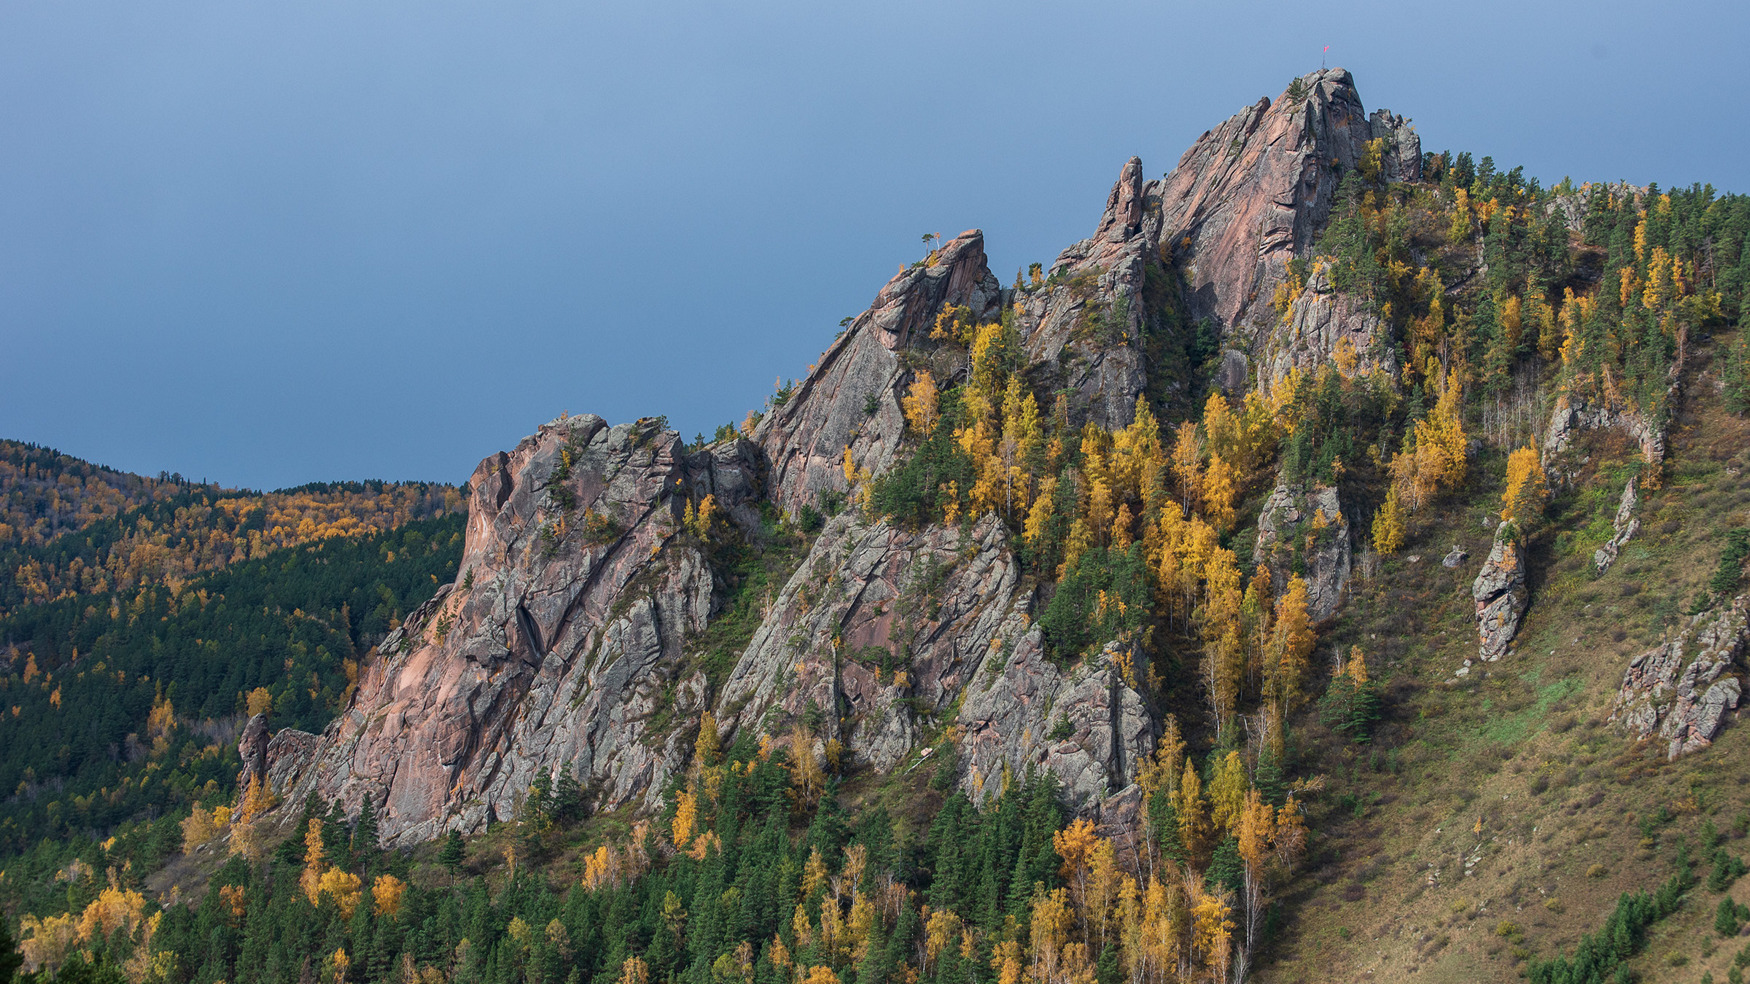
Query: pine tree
{"type": "Point", "coordinates": [454, 852]}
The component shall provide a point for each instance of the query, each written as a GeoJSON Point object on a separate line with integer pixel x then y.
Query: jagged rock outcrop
{"type": "Point", "coordinates": [1085, 723]}
{"type": "Point", "coordinates": [252, 749]}
{"type": "Point", "coordinates": [1216, 233]}
{"type": "Point", "coordinates": [563, 641]}
{"type": "Point", "coordinates": [558, 643]}
{"type": "Point", "coordinates": [1326, 327]}
{"type": "Point", "coordinates": [1625, 526]}
{"type": "Point", "coordinates": [851, 396]}
{"type": "Point", "coordinates": [1500, 595]}
{"type": "Point", "coordinates": [1086, 322]}
{"type": "Point", "coordinates": [879, 631]}
{"type": "Point", "coordinates": [1402, 160]}
{"type": "Point", "coordinates": [1252, 192]}
{"type": "Point", "coordinates": [1681, 689]}
{"type": "Point", "coordinates": [1307, 524]}
{"type": "Point", "coordinates": [882, 632]}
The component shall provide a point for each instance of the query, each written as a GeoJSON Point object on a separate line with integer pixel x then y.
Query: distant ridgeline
{"type": "Point", "coordinates": [69, 528]}
{"type": "Point", "coordinates": [1042, 633]}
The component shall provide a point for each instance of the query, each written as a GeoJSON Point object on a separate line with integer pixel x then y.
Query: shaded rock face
{"type": "Point", "coordinates": [1500, 595]}
{"type": "Point", "coordinates": [948, 614]}
{"type": "Point", "coordinates": [252, 749]}
{"type": "Point", "coordinates": [1298, 523]}
{"type": "Point", "coordinates": [851, 397]}
{"type": "Point", "coordinates": [556, 645]}
{"type": "Point", "coordinates": [1626, 525]}
{"type": "Point", "coordinates": [1325, 327]}
{"type": "Point", "coordinates": [1084, 723]}
{"type": "Point", "coordinates": [879, 629]}
{"type": "Point", "coordinates": [1573, 415]}
{"type": "Point", "coordinates": [1681, 689]}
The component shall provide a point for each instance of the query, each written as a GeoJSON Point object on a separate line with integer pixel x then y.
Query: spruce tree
{"type": "Point", "coordinates": [1226, 868]}
{"type": "Point", "coordinates": [364, 835]}
{"type": "Point", "coordinates": [1726, 918]}
{"type": "Point", "coordinates": [567, 796]}
{"type": "Point", "coordinates": [454, 853]}
{"type": "Point", "coordinates": [337, 836]}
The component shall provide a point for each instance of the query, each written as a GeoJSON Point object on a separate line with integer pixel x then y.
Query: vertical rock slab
{"type": "Point", "coordinates": [252, 749]}
{"type": "Point", "coordinates": [1623, 528]}
{"type": "Point", "coordinates": [851, 397]}
{"type": "Point", "coordinates": [1084, 325]}
{"type": "Point", "coordinates": [1500, 595]}
{"type": "Point", "coordinates": [1304, 528]}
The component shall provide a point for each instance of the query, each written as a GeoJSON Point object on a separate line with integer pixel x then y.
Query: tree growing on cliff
{"type": "Point", "coordinates": [922, 404]}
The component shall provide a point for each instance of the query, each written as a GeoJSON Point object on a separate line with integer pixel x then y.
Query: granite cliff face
{"type": "Point", "coordinates": [563, 641]}
{"type": "Point", "coordinates": [881, 630]}
{"type": "Point", "coordinates": [563, 631]}
{"type": "Point", "coordinates": [851, 397]}
{"type": "Point", "coordinates": [1252, 194]}
{"type": "Point", "coordinates": [1214, 236]}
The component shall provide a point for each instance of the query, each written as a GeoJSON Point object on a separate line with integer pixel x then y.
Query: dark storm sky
{"type": "Point", "coordinates": [274, 243]}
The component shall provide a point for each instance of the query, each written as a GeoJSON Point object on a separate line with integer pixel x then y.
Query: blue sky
{"type": "Point", "coordinates": [267, 244]}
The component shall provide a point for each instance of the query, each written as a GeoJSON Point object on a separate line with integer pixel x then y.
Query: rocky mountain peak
{"type": "Point", "coordinates": [1254, 192]}
{"type": "Point", "coordinates": [1123, 216]}
{"type": "Point", "coordinates": [563, 641]}
{"type": "Point", "coordinates": [850, 398]}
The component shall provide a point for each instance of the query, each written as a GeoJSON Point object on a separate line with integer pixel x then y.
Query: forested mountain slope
{"type": "Point", "coordinates": [1329, 569]}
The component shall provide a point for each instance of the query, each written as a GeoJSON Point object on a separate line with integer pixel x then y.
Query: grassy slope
{"type": "Point", "coordinates": [1507, 797]}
